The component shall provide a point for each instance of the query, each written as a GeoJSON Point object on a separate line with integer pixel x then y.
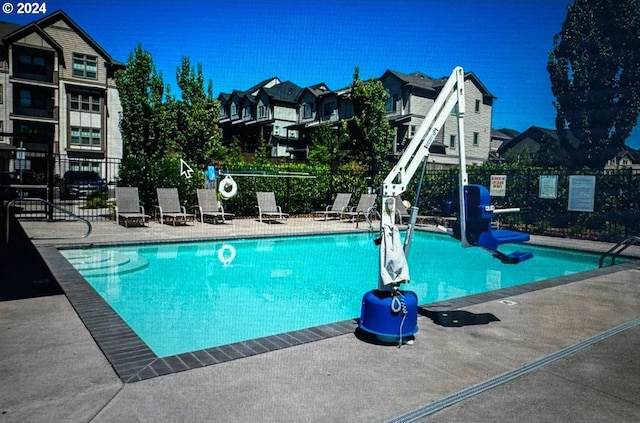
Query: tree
{"type": "Point", "coordinates": [234, 152]}
{"type": "Point", "coordinates": [261, 155]}
{"type": "Point", "coordinates": [594, 69]}
{"type": "Point", "coordinates": [549, 153]}
{"type": "Point", "coordinates": [327, 144]}
{"type": "Point", "coordinates": [141, 91]}
{"type": "Point", "coordinates": [371, 132]}
{"type": "Point", "coordinates": [195, 117]}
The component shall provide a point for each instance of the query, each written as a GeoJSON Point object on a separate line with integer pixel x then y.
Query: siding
{"type": "Point", "coordinates": [73, 43]}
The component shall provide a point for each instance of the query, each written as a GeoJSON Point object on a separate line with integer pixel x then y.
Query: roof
{"type": "Point", "coordinates": [633, 154]}
{"type": "Point", "coordinates": [286, 91]}
{"type": "Point", "coordinates": [425, 82]}
{"type": "Point", "coordinates": [415, 79]}
{"type": "Point", "coordinates": [38, 27]}
{"type": "Point", "coordinates": [7, 28]}
{"type": "Point", "coordinates": [535, 133]}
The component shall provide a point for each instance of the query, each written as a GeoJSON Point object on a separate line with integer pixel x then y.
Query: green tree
{"type": "Point", "coordinates": [234, 152]}
{"type": "Point", "coordinates": [141, 91]}
{"type": "Point", "coordinates": [261, 155]}
{"type": "Point", "coordinates": [371, 132]}
{"type": "Point", "coordinates": [549, 153]}
{"type": "Point", "coordinates": [195, 117]}
{"type": "Point", "coordinates": [594, 69]}
{"type": "Point", "coordinates": [327, 144]}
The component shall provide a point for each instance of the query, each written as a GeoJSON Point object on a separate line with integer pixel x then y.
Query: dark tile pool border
{"type": "Point", "coordinates": [133, 360]}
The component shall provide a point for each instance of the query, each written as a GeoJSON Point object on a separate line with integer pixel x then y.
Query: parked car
{"type": "Point", "coordinates": [79, 183]}
{"type": "Point", "coordinates": [7, 193]}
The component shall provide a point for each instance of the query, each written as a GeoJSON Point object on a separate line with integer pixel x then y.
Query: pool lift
{"type": "Point", "coordinates": [388, 312]}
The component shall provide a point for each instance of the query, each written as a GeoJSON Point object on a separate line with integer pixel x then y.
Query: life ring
{"type": "Point", "coordinates": [228, 187]}
{"type": "Point", "coordinates": [226, 254]}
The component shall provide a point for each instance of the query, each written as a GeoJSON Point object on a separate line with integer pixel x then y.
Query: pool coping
{"type": "Point", "coordinates": [134, 361]}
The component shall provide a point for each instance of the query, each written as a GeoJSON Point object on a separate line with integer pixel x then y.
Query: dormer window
{"type": "Point", "coordinates": [306, 111]}
{"type": "Point", "coordinates": [390, 105]}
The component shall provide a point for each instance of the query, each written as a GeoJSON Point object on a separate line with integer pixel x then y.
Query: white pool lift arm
{"type": "Point", "coordinates": [393, 265]}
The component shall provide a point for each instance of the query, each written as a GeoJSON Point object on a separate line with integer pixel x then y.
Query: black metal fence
{"type": "Point", "coordinates": [615, 215]}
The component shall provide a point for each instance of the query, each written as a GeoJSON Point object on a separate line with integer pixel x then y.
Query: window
{"type": "Point", "coordinates": [307, 111]}
{"type": "Point", "coordinates": [328, 108]}
{"type": "Point", "coordinates": [477, 106]}
{"type": "Point", "coordinates": [89, 137]}
{"type": "Point", "coordinates": [476, 138]}
{"type": "Point", "coordinates": [32, 64]}
{"type": "Point", "coordinates": [85, 102]}
{"type": "Point", "coordinates": [390, 105]}
{"type": "Point", "coordinates": [247, 112]}
{"type": "Point", "coordinates": [234, 110]}
{"type": "Point", "coordinates": [262, 112]}
{"type": "Point", "coordinates": [452, 141]}
{"type": "Point", "coordinates": [85, 66]}
{"type": "Point", "coordinates": [25, 98]}
{"type": "Point", "coordinates": [1, 93]}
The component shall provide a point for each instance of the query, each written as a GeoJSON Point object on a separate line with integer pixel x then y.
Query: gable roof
{"type": "Point", "coordinates": [425, 82]}
{"type": "Point", "coordinates": [535, 134]}
{"type": "Point", "coordinates": [632, 153]}
{"type": "Point", "coordinates": [286, 91]}
{"type": "Point", "coordinates": [415, 79]}
{"type": "Point", "coordinates": [39, 25]}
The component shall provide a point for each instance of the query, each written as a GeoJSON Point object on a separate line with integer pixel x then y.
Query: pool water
{"type": "Point", "coordinates": [181, 297]}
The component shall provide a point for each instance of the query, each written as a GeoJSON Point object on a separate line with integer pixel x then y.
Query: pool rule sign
{"type": "Point", "coordinates": [498, 187]}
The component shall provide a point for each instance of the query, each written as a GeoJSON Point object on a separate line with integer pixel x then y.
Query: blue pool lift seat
{"type": "Point", "coordinates": [479, 232]}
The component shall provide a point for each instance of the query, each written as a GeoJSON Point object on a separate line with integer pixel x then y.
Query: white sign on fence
{"type": "Point", "coordinates": [548, 186]}
{"type": "Point", "coordinates": [582, 191]}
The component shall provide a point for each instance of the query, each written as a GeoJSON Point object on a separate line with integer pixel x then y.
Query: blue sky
{"type": "Point", "coordinates": [241, 42]}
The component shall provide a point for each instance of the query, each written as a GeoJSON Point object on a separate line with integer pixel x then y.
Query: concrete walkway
{"type": "Point", "coordinates": [582, 338]}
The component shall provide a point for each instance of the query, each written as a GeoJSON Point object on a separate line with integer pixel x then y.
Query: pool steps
{"type": "Point", "coordinates": [92, 264]}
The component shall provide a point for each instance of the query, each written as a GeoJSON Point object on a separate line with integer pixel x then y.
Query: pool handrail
{"type": "Point", "coordinates": [617, 249]}
{"type": "Point", "coordinates": [50, 204]}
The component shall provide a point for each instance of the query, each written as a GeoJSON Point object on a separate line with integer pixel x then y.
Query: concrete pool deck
{"type": "Point", "coordinates": [568, 352]}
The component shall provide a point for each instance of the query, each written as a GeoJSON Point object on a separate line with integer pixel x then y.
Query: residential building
{"type": "Point", "coordinates": [626, 158]}
{"type": "Point", "coordinates": [58, 99]}
{"type": "Point", "coordinates": [286, 113]}
{"type": "Point", "coordinates": [499, 137]}
{"type": "Point", "coordinates": [411, 97]}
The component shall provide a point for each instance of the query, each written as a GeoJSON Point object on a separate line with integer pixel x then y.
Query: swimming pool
{"type": "Point", "coordinates": [181, 297]}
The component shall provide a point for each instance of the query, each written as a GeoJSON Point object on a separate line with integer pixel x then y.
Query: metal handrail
{"type": "Point", "coordinates": [61, 209]}
{"type": "Point", "coordinates": [626, 243]}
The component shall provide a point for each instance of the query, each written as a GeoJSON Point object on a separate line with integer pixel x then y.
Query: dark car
{"type": "Point", "coordinates": [7, 193]}
{"type": "Point", "coordinates": [79, 183]}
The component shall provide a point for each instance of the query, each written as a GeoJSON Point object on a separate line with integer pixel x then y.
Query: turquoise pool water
{"type": "Point", "coordinates": [182, 297]}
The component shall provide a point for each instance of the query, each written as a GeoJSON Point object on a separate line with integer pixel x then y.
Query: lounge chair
{"type": "Point", "coordinates": [268, 208]}
{"type": "Point", "coordinates": [170, 208]}
{"type": "Point", "coordinates": [209, 207]}
{"type": "Point", "coordinates": [340, 204]}
{"type": "Point", "coordinates": [366, 206]}
{"type": "Point", "coordinates": [128, 206]}
{"type": "Point", "coordinates": [401, 210]}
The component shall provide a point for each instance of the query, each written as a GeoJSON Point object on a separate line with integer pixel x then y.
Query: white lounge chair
{"type": "Point", "coordinates": [209, 207]}
{"type": "Point", "coordinates": [128, 207]}
{"type": "Point", "coordinates": [365, 208]}
{"type": "Point", "coordinates": [170, 208]}
{"type": "Point", "coordinates": [340, 204]}
{"type": "Point", "coordinates": [268, 208]}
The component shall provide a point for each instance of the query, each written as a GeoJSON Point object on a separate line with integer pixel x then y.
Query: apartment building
{"type": "Point", "coordinates": [284, 120]}
{"type": "Point", "coordinates": [59, 106]}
